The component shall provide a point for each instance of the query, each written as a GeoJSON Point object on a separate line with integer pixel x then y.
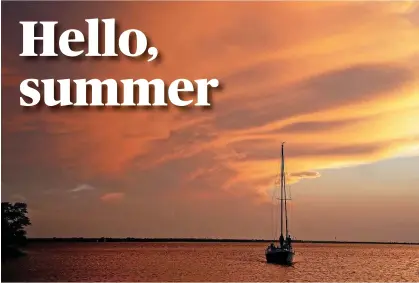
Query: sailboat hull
{"type": "Point", "coordinates": [284, 257]}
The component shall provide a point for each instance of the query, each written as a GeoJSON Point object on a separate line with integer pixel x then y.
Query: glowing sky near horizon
{"type": "Point", "coordinates": [337, 81]}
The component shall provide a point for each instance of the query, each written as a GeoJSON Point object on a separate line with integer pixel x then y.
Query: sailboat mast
{"type": "Point", "coordinates": [282, 183]}
{"type": "Point", "coordinates": [285, 204]}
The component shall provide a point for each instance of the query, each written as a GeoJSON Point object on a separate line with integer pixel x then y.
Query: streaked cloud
{"type": "Point", "coordinates": [82, 187]}
{"type": "Point", "coordinates": [307, 174]}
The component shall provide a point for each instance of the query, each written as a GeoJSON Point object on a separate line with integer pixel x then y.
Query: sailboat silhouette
{"type": "Point", "coordinates": [284, 252]}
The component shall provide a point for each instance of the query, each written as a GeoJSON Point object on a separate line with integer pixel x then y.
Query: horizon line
{"type": "Point", "coordinates": [135, 239]}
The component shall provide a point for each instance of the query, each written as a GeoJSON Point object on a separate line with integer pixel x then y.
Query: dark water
{"type": "Point", "coordinates": [211, 262]}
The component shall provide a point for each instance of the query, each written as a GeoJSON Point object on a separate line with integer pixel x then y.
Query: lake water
{"type": "Point", "coordinates": [211, 262]}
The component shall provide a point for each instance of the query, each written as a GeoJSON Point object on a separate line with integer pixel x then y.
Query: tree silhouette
{"type": "Point", "coordinates": [13, 223]}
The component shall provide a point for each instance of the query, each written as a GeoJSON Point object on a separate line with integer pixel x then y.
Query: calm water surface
{"type": "Point", "coordinates": [211, 262]}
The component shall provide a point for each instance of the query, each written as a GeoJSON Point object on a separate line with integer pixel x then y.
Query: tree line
{"type": "Point", "coordinates": [14, 220]}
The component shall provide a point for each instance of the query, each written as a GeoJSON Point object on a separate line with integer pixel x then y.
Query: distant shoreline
{"type": "Point", "coordinates": [200, 240]}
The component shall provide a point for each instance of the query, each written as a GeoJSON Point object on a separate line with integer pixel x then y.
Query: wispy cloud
{"type": "Point", "coordinates": [293, 177]}
{"type": "Point", "coordinates": [81, 188]}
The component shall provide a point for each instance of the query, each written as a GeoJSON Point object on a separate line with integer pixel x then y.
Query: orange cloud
{"type": "Point", "coordinates": [112, 197]}
{"type": "Point", "coordinates": [306, 174]}
{"type": "Point", "coordinates": [319, 76]}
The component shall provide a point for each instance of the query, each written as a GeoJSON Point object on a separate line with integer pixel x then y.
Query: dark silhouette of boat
{"type": "Point", "coordinates": [283, 253]}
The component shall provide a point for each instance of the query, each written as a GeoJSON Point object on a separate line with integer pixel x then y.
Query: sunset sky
{"type": "Point", "coordinates": [337, 81]}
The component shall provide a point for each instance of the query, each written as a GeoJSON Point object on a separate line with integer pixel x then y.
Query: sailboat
{"type": "Point", "coordinates": [283, 253]}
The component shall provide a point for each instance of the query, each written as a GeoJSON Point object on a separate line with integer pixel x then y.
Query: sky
{"type": "Point", "coordinates": [337, 81]}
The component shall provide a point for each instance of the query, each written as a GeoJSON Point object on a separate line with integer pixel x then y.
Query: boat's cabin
{"type": "Point", "coordinates": [286, 247]}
